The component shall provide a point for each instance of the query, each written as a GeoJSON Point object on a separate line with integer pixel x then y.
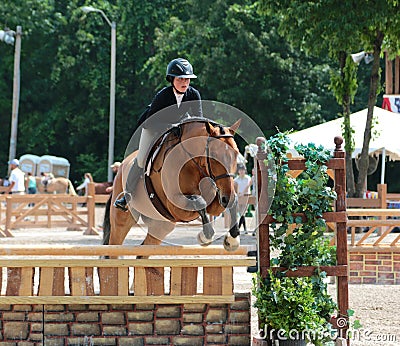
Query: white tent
{"type": "Point", "coordinates": [385, 134]}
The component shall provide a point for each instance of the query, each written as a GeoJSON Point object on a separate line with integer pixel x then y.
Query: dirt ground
{"type": "Point", "coordinates": [376, 306]}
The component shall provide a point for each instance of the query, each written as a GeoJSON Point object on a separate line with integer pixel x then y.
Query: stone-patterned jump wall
{"type": "Point", "coordinates": [374, 267]}
{"type": "Point", "coordinates": [127, 325]}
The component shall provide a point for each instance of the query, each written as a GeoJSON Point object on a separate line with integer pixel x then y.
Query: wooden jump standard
{"type": "Point", "coordinates": [338, 216]}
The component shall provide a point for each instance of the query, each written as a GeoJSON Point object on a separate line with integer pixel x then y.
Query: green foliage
{"type": "Point", "coordinates": [298, 237]}
{"type": "Point", "coordinates": [245, 63]}
{"type": "Point", "coordinates": [339, 28]}
{"type": "Point", "coordinates": [307, 194]}
{"type": "Point", "coordinates": [292, 303]}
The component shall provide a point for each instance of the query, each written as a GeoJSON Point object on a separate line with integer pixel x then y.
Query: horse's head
{"type": "Point", "coordinates": [202, 164]}
{"type": "Point", "coordinates": [221, 157]}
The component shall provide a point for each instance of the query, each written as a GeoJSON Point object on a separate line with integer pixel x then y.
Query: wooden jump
{"type": "Point", "coordinates": [71, 274]}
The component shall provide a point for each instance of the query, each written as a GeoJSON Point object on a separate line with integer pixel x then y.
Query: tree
{"type": "Point", "coordinates": [65, 78]}
{"type": "Point", "coordinates": [64, 103]}
{"type": "Point", "coordinates": [341, 28]}
{"type": "Point", "coordinates": [241, 60]}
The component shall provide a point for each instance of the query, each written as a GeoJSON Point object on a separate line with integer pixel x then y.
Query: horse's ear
{"type": "Point", "coordinates": [235, 126]}
{"type": "Point", "coordinates": [210, 129]}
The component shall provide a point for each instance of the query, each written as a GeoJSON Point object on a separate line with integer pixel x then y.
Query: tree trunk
{"type": "Point", "coordinates": [346, 76]}
{"type": "Point", "coordinates": [374, 81]}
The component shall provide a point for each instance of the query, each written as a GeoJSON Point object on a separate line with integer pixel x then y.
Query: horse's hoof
{"type": "Point", "coordinates": [202, 240]}
{"type": "Point", "coordinates": [230, 243]}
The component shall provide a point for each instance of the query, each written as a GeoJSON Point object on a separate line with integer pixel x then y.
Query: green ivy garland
{"type": "Point", "coordinates": [287, 302]}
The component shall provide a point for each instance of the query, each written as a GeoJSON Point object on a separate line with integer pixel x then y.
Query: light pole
{"type": "Point", "coordinates": [113, 25]}
{"type": "Point", "coordinates": [11, 37]}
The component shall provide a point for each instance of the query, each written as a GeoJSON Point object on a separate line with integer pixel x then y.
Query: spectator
{"type": "Point", "coordinates": [46, 177]}
{"type": "Point", "coordinates": [242, 185]}
{"type": "Point", "coordinates": [6, 181]}
{"type": "Point", "coordinates": [31, 186]}
{"type": "Point", "coordinates": [17, 179]}
{"type": "Point", "coordinates": [87, 179]}
{"type": "Point", "coordinates": [115, 166]}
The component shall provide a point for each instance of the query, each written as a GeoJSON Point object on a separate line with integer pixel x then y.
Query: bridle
{"type": "Point", "coordinates": [208, 173]}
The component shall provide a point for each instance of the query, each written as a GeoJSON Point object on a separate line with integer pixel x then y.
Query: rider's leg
{"type": "Point", "coordinates": [136, 172]}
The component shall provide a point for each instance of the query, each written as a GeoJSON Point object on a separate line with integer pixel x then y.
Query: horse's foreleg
{"type": "Point", "coordinates": [157, 231]}
{"type": "Point", "coordinates": [232, 239]}
{"type": "Point", "coordinates": [206, 236]}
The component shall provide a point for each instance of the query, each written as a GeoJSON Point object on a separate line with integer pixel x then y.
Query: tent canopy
{"type": "Point", "coordinates": [385, 133]}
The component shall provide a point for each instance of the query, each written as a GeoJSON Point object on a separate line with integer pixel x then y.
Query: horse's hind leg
{"type": "Point", "coordinates": [157, 231]}
{"type": "Point", "coordinates": [121, 222]}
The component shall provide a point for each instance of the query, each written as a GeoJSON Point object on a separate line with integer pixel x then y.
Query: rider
{"type": "Point", "coordinates": [179, 73]}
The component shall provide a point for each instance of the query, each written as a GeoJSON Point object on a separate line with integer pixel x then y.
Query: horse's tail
{"type": "Point", "coordinates": [107, 223]}
{"type": "Point", "coordinates": [71, 189]}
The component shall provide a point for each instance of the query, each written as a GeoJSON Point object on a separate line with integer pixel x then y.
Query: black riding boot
{"type": "Point", "coordinates": [134, 176]}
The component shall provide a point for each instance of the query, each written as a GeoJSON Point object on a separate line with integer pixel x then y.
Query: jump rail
{"type": "Point", "coordinates": [76, 275]}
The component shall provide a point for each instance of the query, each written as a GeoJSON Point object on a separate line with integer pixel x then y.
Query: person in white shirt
{"type": "Point", "coordinates": [242, 186]}
{"type": "Point", "coordinates": [84, 186]}
{"type": "Point", "coordinates": [17, 178]}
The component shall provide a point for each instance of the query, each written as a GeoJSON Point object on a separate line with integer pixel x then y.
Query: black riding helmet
{"type": "Point", "coordinates": [179, 68]}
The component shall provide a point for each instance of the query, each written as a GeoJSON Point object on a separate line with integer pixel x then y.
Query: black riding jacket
{"type": "Point", "coordinates": [165, 101]}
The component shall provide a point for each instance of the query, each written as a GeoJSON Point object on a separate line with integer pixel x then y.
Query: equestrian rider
{"type": "Point", "coordinates": [173, 100]}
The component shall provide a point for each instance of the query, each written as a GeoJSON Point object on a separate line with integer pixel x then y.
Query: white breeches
{"type": "Point", "coordinates": [146, 140]}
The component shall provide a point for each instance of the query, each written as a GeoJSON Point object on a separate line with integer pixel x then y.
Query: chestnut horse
{"type": "Point", "coordinates": [192, 174]}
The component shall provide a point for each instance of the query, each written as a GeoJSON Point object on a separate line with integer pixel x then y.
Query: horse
{"type": "Point", "coordinates": [192, 174]}
{"type": "Point", "coordinates": [59, 185]}
{"type": "Point", "coordinates": [100, 188]}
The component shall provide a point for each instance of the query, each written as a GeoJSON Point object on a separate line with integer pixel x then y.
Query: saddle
{"type": "Point", "coordinates": [173, 135]}
{"type": "Point", "coordinates": [46, 181]}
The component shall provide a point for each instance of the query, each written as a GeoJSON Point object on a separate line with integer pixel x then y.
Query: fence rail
{"type": "Point", "coordinates": [49, 210]}
{"type": "Point", "coordinates": [75, 275]}
{"type": "Point", "coordinates": [380, 227]}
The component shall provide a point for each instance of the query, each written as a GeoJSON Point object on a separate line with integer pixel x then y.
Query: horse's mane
{"type": "Point", "coordinates": [207, 122]}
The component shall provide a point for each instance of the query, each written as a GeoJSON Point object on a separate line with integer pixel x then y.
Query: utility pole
{"type": "Point", "coordinates": [111, 132]}
{"type": "Point", "coordinates": [16, 92]}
